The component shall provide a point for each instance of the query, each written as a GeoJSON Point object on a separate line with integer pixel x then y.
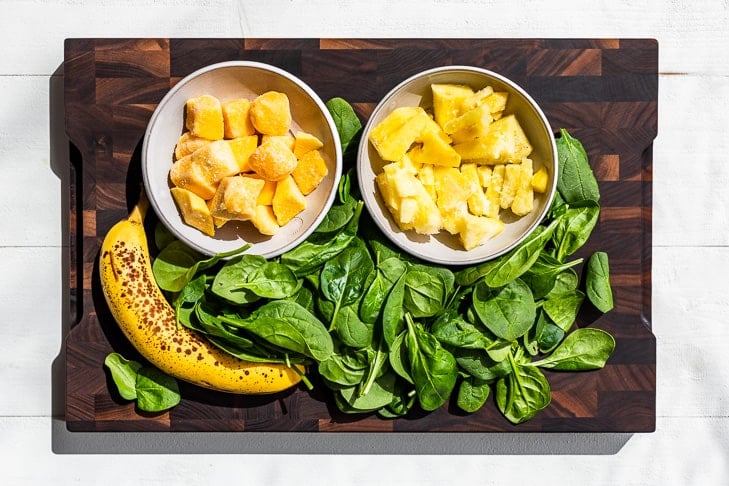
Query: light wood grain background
{"type": "Point", "coordinates": [690, 250]}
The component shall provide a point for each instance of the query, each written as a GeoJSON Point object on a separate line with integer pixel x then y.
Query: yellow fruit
{"type": "Point", "coordinates": [476, 99]}
{"type": "Point", "coordinates": [202, 171]}
{"type": "Point", "coordinates": [504, 142]}
{"type": "Point", "coordinates": [148, 321]}
{"type": "Point", "coordinates": [310, 171]}
{"type": "Point", "coordinates": [473, 122]}
{"type": "Point", "coordinates": [434, 150]}
{"type": "Point", "coordinates": [236, 121]}
{"type": "Point", "coordinates": [194, 210]}
{"type": "Point", "coordinates": [539, 180]}
{"type": "Point", "coordinates": [474, 230]}
{"type": "Point", "coordinates": [242, 148]}
{"type": "Point", "coordinates": [288, 201]}
{"type": "Point", "coordinates": [493, 191]}
{"type": "Point", "coordinates": [447, 101]}
{"type": "Point", "coordinates": [236, 198]}
{"type": "Point", "coordinates": [304, 142]}
{"type": "Point", "coordinates": [512, 174]}
{"type": "Point", "coordinates": [408, 200]}
{"type": "Point", "coordinates": [265, 220]}
{"type": "Point", "coordinates": [187, 144]}
{"type": "Point", "coordinates": [287, 140]}
{"type": "Point", "coordinates": [523, 202]}
{"type": "Point", "coordinates": [273, 160]}
{"type": "Point", "coordinates": [477, 202]}
{"type": "Point", "coordinates": [270, 113]}
{"type": "Point", "coordinates": [265, 198]}
{"type": "Point", "coordinates": [394, 135]}
{"type": "Point", "coordinates": [204, 117]}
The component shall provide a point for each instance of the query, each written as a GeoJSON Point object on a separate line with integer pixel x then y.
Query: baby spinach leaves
{"type": "Point", "coordinates": [153, 390]}
{"type": "Point", "coordinates": [598, 286]}
{"type": "Point", "coordinates": [576, 181]}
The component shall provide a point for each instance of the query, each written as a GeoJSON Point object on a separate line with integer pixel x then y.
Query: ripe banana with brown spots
{"type": "Point", "coordinates": [148, 321]}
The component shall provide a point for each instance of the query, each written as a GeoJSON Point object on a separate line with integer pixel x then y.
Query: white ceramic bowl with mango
{"type": "Point", "coordinates": [223, 159]}
{"type": "Point", "coordinates": [457, 165]}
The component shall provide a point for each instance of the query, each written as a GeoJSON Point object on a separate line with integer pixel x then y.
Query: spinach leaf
{"type": "Point", "coordinates": [343, 368]}
{"type": "Point", "coordinates": [398, 357]}
{"type": "Point", "coordinates": [124, 373]}
{"type": "Point", "coordinates": [583, 349]}
{"type": "Point", "coordinates": [273, 281]}
{"type": "Point", "coordinates": [229, 280]}
{"type": "Point", "coordinates": [576, 180]}
{"type": "Point", "coordinates": [562, 308]}
{"type": "Point", "coordinates": [542, 276]}
{"type": "Point", "coordinates": [346, 120]}
{"type": "Point", "coordinates": [373, 300]}
{"type": "Point", "coordinates": [508, 312]}
{"type": "Point", "coordinates": [480, 365]}
{"type": "Point", "coordinates": [597, 281]}
{"type": "Point", "coordinates": [350, 329]}
{"type": "Point", "coordinates": [380, 395]}
{"type": "Point", "coordinates": [156, 391]}
{"type": "Point", "coordinates": [472, 394]}
{"type": "Point", "coordinates": [424, 293]}
{"type": "Point", "coordinates": [575, 227]}
{"type": "Point", "coordinates": [521, 394]}
{"type": "Point", "coordinates": [432, 367]}
{"type": "Point", "coordinates": [393, 314]}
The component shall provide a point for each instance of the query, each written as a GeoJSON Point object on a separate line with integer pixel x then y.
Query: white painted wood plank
{"type": "Point", "coordinates": [643, 460]}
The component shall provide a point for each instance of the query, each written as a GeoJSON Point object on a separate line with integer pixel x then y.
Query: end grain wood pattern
{"type": "Point", "coordinates": [604, 91]}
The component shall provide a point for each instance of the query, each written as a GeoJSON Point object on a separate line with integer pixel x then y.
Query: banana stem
{"type": "Point", "coordinates": [139, 211]}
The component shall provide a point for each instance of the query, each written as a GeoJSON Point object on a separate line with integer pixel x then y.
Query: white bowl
{"type": "Point", "coordinates": [225, 81]}
{"type": "Point", "coordinates": [444, 248]}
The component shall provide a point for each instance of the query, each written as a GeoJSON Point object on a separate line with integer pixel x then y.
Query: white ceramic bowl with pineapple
{"type": "Point", "coordinates": [457, 165]}
{"type": "Point", "coordinates": [179, 129]}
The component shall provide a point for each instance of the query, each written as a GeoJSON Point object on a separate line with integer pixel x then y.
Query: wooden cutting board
{"type": "Point", "coordinates": [604, 91]}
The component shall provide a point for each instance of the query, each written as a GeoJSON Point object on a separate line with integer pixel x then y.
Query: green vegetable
{"type": "Point", "coordinates": [598, 286]}
{"type": "Point", "coordinates": [508, 312]}
{"type": "Point", "coordinates": [576, 181]}
{"type": "Point", "coordinates": [583, 349]}
{"type": "Point", "coordinates": [521, 394]}
{"type": "Point", "coordinates": [346, 121]}
{"type": "Point", "coordinates": [153, 390]}
{"type": "Point", "coordinates": [472, 394]}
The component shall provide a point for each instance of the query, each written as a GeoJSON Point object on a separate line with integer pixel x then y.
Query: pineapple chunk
{"type": "Point", "coordinates": [477, 119]}
{"type": "Point", "coordinates": [305, 142]}
{"type": "Point", "coordinates": [236, 121]}
{"type": "Point", "coordinates": [504, 142]}
{"type": "Point", "coordinates": [475, 230]}
{"type": "Point", "coordinates": [194, 210]}
{"type": "Point", "coordinates": [236, 198]}
{"type": "Point", "coordinates": [512, 175]}
{"type": "Point", "coordinates": [484, 175]}
{"type": "Point", "coordinates": [204, 117]}
{"type": "Point", "coordinates": [407, 200]}
{"type": "Point", "coordinates": [493, 191]}
{"type": "Point", "coordinates": [452, 188]}
{"type": "Point", "coordinates": [242, 148]}
{"type": "Point", "coordinates": [288, 201]}
{"type": "Point", "coordinates": [539, 181]}
{"type": "Point", "coordinates": [310, 171]}
{"type": "Point", "coordinates": [523, 202]}
{"type": "Point", "coordinates": [270, 113]}
{"type": "Point", "coordinates": [497, 102]}
{"type": "Point", "coordinates": [402, 181]}
{"type": "Point", "coordinates": [273, 160]}
{"type": "Point", "coordinates": [427, 178]}
{"type": "Point", "coordinates": [447, 100]}
{"type": "Point", "coordinates": [475, 99]}
{"type": "Point", "coordinates": [478, 204]}
{"type": "Point", "coordinates": [265, 220]}
{"type": "Point", "coordinates": [434, 150]}
{"type": "Point", "coordinates": [394, 135]}
{"type": "Point", "coordinates": [187, 144]}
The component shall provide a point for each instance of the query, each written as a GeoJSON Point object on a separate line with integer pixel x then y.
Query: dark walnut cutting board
{"type": "Point", "coordinates": [604, 91]}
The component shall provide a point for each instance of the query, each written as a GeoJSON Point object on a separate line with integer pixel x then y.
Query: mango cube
{"type": "Point", "coordinates": [187, 144]}
{"type": "Point", "coordinates": [310, 171]}
{"type": "Point", "coordinates": [236, 120]}
{"type": "Point", "coordinates": [242, 148]}
{"type": "Point", "coordinates": [265, 198]}
{"type": "Point", "coordinates": [194, 210]}
{"type": "Point", "coordinates": [204, 117]}
{"type": "Point", "coordinates": [305, 142]}
{"type": "Point", "coordinates": [265, 220]}
{"type": "Point", "coordinates": [288, 200]}
{"type": "Point", "coordinates": [273, 160]}
{"type": "Point", "coordinates": [270, 113]}
{"type": "Point", "coordinates": [236, 198]}
{"type": "Point", "coordinates": [202, 171]}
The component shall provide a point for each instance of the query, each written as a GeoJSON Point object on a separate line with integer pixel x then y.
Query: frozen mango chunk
{"type": "Point", "coordinates": [270, 113]}
{"type": "Point", "coordinates": [236, 198]}
{"type": "Point", "coordinates": [204, 117]}
{"type": "Point", "coordinates": [236, 119]}
{"type": "Point", "coordinates": [194, 210]}
{"type": "Point", "coordinates": [265, 220]}
{"type": "Point", "coordinates": [305, 142]}
{"type": "Point", "coordinates": [242, 148]}
{"type": "Point", "coordinates": [310, 171]}
{"type": "Point", "coordinates": [288, 201]}
{"type": "Point", "coordinates": [187, 144]}
{"type": "Point", "coordinates": [273, 160]}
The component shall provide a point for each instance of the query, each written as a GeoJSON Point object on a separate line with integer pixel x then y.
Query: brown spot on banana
{"type": "Point", "coordinates": [148, 321]}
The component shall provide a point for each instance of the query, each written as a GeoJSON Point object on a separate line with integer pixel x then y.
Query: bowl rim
{"type": "Point", "coordinates": [382, 219]}
{"type": "Point", "coordinates": [310, 93]}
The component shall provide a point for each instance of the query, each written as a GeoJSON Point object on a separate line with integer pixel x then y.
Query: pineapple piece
{"type": "Point", "coordinates": [539, 180]}
{"type": "Point", "coordinates": [475, 230]}
{"type": "Point", "coordinates": [497, 102]}
{"type": "Point", "coordinates": [194, 210]}
{"type": "Point", "coordinates": [493, 191]}
{"type": "Point", "coordinates": [204, 117]}
{"type": "Point", "coordinates": [391, 201]}
{"type": "Point", "coordinates": [273, 160]}
{"type": "Point", "coordinates": [478, 204]}
{"type": "Point", "coordinates": [434, 150]}
{"type": "Point", "coordinates": [447, 100]}
{"type": "Point", "coordinates": [408, 164]}
{"type": "Point", "coordinates": [451, 187]}
{"type": "Point", "coordinates": [236, 198]}
{"type": "Point", "coordinates": [453, 218]}
{"type": "Point", "coordinates": [265, 220]}
{"type": "Point", "coordinates": [310, 171]}
{"type": "Point", "coordinates": [484, 175]}
{"type": "Point", "coordinates": [407, 200]}
{"type": "Point", "coordinates": [428, 220]}
{"type": "Point", "coordinates": [512, 175]}
{"type": "Point", "coordinates": [265, 198]}
{"type": "Point", "coordinates": [270, 113]}
{"type": "Point", "coordinates": [427, 178]}
{"type": "Point", "coordinates": [288, 201]}
{"type": "Point", "coordinates": [475, 99]}
{"type": "Point", "coordinates": [304, 142]}
{"type": "Point", "coordinates": [287, 139]}
{"type": "Point", "coordinates": [504, 142]}
{"type": "Point", "coordinates": [408, 211]}
{"type": "Point", "coordinates": [402, 181]}
{"type": "Point", "coordinates": [523, 202]}
{"type": "Point", "coordinates": [187, 144]}
{"type": "Point", "coordinates": [479, 118]}
{"type": "Point", "coordinates": [242, 148]}
{"type": "Point", "coordinates": [394, 135]}
{"type": "Point", "coordinates": [236, 119]}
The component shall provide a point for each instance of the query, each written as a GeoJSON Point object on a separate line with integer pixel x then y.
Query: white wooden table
{"type": "Point", "coordinates": [690, 247]}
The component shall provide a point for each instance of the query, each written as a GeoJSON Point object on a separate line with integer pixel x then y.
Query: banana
{"type": "Point", "coordinates": [148, 321]}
